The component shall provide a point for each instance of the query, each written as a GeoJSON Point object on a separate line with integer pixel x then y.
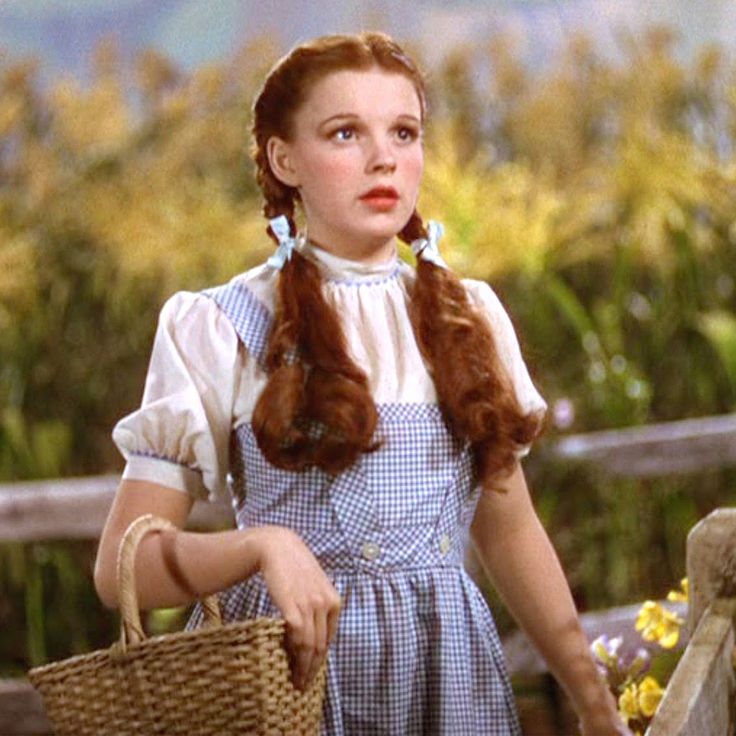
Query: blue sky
{"type": "Point", "coordinates": [62, 33]}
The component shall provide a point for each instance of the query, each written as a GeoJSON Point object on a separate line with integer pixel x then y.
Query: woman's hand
{"type": "Point", "coordinates": [599, 714]}
{"type": "Point", "coordinates": [604, 720]}
{"type": "Point", "coordinates": [305, 596]}
{"type": "Point", "coordinates": [615, 728]}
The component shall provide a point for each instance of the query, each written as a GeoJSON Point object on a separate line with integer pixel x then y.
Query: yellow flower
{"type": "Point", "coordinates": [628, 702]}
{"type": "Point", "coordinates": [656, 623]}
{"type": "Point", "coordinates": [682, 595]}
{"type": "Point", "coordinates": [640, 700]}
{"type": "Point", "coordinates": [650, 693]}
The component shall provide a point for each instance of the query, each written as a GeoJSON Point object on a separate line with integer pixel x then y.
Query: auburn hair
{"type": "Point", "coordinates": [316, 408]}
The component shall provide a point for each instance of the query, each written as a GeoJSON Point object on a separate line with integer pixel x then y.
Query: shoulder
{"type": "Point", "coordinates": [258, 285]}
{"type": "Point", "coordinates": [487, 302]}
{"type": "Point", "coordinates": [192, 319]}
{"type": "Point", "coordinates": [480, 290]}
{"type": "Point", "coordinates": [484, 297]}
{"type": "Point", "coordinates": [240, 310]}
{"type": "Point", "coordinates": [184, 306]}
{"type": "Point", "coordinates": [216, 311]}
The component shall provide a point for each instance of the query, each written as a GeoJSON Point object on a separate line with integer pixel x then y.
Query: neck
{"type": "Point", "coordinates": [368, 253]}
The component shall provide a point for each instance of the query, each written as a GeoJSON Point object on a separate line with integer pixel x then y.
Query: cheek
{"type": "Point", "coordinates": [328, 179]}
{"type": "Point", "coordinates": [414, 167]}
{"type": "Point", "coordinates": [331, 171]}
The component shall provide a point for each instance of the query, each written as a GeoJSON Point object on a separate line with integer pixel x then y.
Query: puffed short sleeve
{"type": "Point", "coordinates": [179, 437]}
{"type": "Point", "coordinates": [507, 343]}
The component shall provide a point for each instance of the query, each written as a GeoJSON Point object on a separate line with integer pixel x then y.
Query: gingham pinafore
{"type": "Point", "coordinates": [416, 650]}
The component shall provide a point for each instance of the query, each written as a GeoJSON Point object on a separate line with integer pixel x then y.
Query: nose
{"type": "Point", "coordinates": [381, 156]}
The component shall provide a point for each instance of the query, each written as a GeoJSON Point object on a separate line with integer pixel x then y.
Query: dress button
{"type": "Point", "coordinates": [371, 550]}
{"type": "Point", "coordinates": [445, 544]}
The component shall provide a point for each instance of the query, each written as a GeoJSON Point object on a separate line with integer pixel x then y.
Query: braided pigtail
{"type": "Point", "coordinates": [474, 390]}
{"type": "Point", "coordinates": [316, 408]}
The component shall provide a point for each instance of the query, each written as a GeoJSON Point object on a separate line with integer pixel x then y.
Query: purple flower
{"type": "Point", "coordinates": [563, 413]}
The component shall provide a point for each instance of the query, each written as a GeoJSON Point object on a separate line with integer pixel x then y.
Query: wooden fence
{"type": "Point", "coordinates": [699, 700]}
{"type": "Point", "coordinates": [75, 508]}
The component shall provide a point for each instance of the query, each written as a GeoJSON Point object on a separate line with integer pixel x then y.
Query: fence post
{"type": "Point", "coordinates": [711, 562]}
{"type": "Point", "coordinates": [699, 699]}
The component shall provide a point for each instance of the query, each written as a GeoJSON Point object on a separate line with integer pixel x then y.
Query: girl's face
{"type": "Point", "coordinates": [356, 158]}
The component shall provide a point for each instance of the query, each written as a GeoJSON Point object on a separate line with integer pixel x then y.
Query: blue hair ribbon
{"type": "Point", "coordinates": [282, 230]}
{"type": "Point", "coordinates": [426, 248]}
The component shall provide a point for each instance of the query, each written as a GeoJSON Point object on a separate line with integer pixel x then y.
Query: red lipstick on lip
{"type": "Point", "coordinates": [381, 198]}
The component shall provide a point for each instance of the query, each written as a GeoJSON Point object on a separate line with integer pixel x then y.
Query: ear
{"type": "Point", "coordinates": [281, 162]}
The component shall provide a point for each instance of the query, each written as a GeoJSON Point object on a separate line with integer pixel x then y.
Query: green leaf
{"type": "Point", "coordinates": [571, 308]}
{"type": "Point", "coordinates": [51, 442]}
{"type": "Point", "coordinates": [14, 429]}
{"type": "Point", "coordinates": [719, 327]}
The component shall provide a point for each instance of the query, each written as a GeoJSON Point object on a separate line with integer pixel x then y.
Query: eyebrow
{"type": "Point", "coordinates": [353, 116]}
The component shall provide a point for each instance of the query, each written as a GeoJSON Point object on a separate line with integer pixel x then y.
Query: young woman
{"type": "Point", "coordinates": [362, 416]}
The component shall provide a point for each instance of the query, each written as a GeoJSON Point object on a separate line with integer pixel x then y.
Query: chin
{"type": "Point", "coordinates": [386, 226]}
{"type": "Point", "coordinates": [379, 235]}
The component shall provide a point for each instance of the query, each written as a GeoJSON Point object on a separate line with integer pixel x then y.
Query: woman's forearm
{"type": "Point", "coordinates": [517, 554]}
{"type": "Point", "coordinates": [528, 576]}
{"type": "Point", "coordinates": [173, 568]}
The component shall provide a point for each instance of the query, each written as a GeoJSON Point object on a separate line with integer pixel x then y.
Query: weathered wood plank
{"type": "Point", "coordinates": [75, 508]}
{"type": "Point", "coordinates": [699, 696]}
{"type": "Point", "coordinates": [523, 659]}
{"type": "Point", "coordinates": [686, 446]}
{"type": "Point", "coordinates": [711, 561]}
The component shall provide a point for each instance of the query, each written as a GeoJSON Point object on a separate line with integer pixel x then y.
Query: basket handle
{"type": "Point", "coordinates": [131, 629]}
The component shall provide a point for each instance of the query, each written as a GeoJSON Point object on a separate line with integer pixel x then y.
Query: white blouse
{"type": "Point", "coordinates": [202, 383]}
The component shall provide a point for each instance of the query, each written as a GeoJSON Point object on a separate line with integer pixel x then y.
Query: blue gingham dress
{"type": "Point", "coordinates": [416, 649]}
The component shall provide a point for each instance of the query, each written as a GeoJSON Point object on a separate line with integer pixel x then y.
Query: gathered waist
{"type": "Point", "coordinates": [382, 551]}
{"type": "Point", "coordinates": [420, 589]}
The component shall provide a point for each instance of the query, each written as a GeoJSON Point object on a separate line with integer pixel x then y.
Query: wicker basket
{"type": "Point", "coordinates": [218, 680]}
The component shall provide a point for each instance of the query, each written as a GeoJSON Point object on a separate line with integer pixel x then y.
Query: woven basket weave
{"type": "Point", "coordinates": [219, 680]}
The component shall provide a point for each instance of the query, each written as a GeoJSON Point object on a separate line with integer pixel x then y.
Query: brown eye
{"type": "Point", "coordinates": [407, 134]}
{"type": "Point", "coordinates": [343, 134]}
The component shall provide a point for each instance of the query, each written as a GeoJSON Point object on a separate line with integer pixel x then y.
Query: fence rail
{"type": "Point", "coordinates": [75, 508]}
{"type": "Point", "coordinates": [670, 448]}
